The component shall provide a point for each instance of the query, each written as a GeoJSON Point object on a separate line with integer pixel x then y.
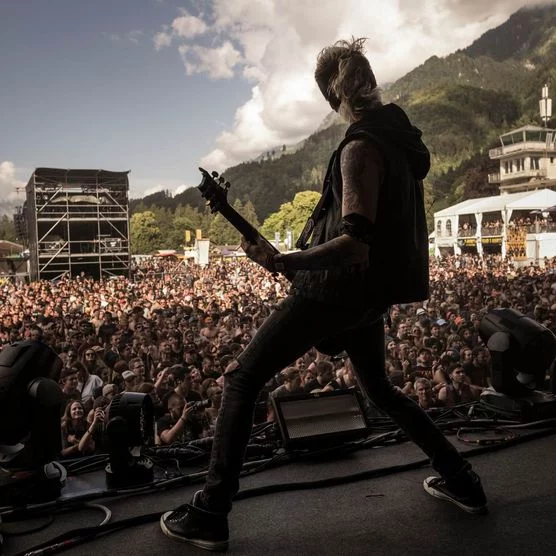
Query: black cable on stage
{"type": "Point", "coordinates": [333, 481]}
{"type": "Point", "coordinates": [8, 531]}
{"type": "Point", "coordinates": [463, 431]}
{"type": "Point", "coordinates": [78, 536]}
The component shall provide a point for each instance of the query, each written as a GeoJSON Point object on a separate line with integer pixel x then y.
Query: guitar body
{"type": "Point", "coordinates": [215, 190]}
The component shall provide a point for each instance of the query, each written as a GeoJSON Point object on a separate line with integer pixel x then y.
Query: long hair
{"type": "Point", "coordinates": [69, 426]}
{"type": "Point", "coordinates": [346, 79]}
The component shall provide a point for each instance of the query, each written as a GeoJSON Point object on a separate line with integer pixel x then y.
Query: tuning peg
{"type": "Point", "coordinates": [227, 185]}
{"type": "Point", "coordinates": [221, 180]}
{"type": "Point", "coordinates": [214, 174]}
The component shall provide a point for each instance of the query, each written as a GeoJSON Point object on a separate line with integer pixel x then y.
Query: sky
{"type": "Point", "coordinates": [160, 87]}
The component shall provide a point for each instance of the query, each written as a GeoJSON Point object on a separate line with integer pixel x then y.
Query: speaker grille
{"type": "Point", "coordinates": [337, 415]}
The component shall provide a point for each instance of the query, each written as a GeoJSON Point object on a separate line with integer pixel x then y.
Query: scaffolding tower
{"type": "Point", "coordinates": [77, 222]}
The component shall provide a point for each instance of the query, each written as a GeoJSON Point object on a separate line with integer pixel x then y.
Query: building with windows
{"type": "Point", "coordinates": [527, 158]}
{"type": "Point", "coordinates": [520, 222]}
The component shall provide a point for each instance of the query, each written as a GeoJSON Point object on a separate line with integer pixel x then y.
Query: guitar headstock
{"type": "Point", "coordinates": [214, 189]}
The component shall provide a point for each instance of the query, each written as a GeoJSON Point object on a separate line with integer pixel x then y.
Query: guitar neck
{"type": "Point", "coordinates": [247, 230]}
{"type": "Point", "coordinates": [239, 223]}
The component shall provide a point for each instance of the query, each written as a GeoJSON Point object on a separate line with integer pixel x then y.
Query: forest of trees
{"type": "Point", "coordinates": [160, 228]}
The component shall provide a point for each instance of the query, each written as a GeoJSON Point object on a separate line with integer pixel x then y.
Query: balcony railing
{"type": "Point", "coordinates": [535, 146]}
{"type": "Point", "coordinates": [469, 232]}
{"type": "Point", "coordinates": [495, 231]}
{"type": "Point", "coordinates": [541, 227]}
{"type": "Point", "coordinates": [487, 231]}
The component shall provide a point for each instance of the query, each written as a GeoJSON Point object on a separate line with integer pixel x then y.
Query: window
{"type": "Point", "coordinates": [520, 164]}
{"type": "Point", "coordinates": [449, 227]}
{"type": "Point", "coordinates": [439, 228]}
{"type": "Point", "coordinates": [534, 163]}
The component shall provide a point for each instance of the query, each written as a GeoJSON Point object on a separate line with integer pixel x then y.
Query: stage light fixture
{"type": "Point", "coordinates": [130, 428]}
{"type": "Point", "coordinates": [30, 432]}
{"type": "Point", "coordinates": [522, 354]}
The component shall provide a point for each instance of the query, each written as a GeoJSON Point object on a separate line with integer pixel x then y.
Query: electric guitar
{"type": "Point", "coordinates": [214, 189]}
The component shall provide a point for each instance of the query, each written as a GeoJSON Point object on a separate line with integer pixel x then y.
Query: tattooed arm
{"type": "Point", "coordinates": [362, 173]}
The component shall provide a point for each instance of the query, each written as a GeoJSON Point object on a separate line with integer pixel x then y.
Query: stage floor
{"type": "Point", "coordinates": [388, 515]}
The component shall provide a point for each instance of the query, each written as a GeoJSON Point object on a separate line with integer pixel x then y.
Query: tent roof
{"type": "Point", "coordinates": [524, 200]}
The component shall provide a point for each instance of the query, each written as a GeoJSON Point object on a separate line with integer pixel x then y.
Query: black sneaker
{"type": "Point", "coordinates": [195, 526]}
{"type": "Point", "coordinates": [464, 490]}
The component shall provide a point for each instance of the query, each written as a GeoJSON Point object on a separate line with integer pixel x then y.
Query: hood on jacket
{"type": "Point", "coordinates": [395, 126]}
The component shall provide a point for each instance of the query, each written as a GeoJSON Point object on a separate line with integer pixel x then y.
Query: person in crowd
{"type": "Point", "coordinates": [182, 378]}
{"type": "Point", "coordinates": [180, 423]}
{"type": "Point", "coordinates": [291, 383]}
{"type": "Point", "coordinates": [214, 395]}
{"type": "Point", "coordinates": [93, 363]}
{"type": "Point", "coordinates": [69, 383]}
{"type": "Point", "coordinates": [109, 391]}
{"type": "Point", "coordinates": [107, 329]}
{"type": "Point", "coordinates": [477, 367]}
{"type": "Point", "coordinates": [355, 267]}
{"type": "Point", "coordinates": [459, 390]}
{"type": "Point", "coordinates": [324, 375]}
{"type": "Point", "coordinates": [76, 438]}
{"type": "Point", "coordinates": [423, 368]}
{"type": "Point", "coordinates": [87, 384]}
{"type": "Point", "coordinates": [424, 394]}
{"type": "Point", "coordinates": [137, 366]}
{"type": "Point", "coordinates": [149, 388]}
{"type": "Point", "coordinates": [129, 380]}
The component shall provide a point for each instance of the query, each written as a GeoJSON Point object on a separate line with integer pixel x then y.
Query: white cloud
{"type": "Point", "coordinates": [188, 26]}
{"type": "Point", "coordinates": [9, 182]}
{"type": "Point", "coordinates": [275, 42]}
{"type": "Point", "coordinates": [181, 189]}
{"type": "Point", "coordinates": [154, 189]}
{"type": "Point", "coordinates": [134, 35]}
{"type": "Point", "coordinates": [161, 40]}
{"type": "Point", "coordinates": [217, 62]}
{"type": "Point", "coordinates": [138, 190]}
{"type": "Point", "coordinates": [184, 27]}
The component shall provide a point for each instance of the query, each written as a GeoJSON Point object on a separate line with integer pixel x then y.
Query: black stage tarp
{"type": "Point", "coordinates": [387, 515]}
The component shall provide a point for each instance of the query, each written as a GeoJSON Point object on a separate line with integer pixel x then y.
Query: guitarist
{"type": "Point", "coordinates": [368, 251]}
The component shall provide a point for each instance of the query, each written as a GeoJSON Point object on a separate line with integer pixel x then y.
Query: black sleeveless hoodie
{"type": "Point", "coordinates": [397, 270]}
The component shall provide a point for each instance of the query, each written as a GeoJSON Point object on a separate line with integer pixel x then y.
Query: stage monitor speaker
{"type": "Point", "coordinates": [309, 421]}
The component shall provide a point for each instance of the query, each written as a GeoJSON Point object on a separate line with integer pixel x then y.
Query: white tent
{"type": "Point", "coordinates": [540, 199]}
{"type": "Point", "coordinates": [525, 200]}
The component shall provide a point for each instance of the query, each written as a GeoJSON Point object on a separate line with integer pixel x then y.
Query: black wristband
{"type": "Point", "coordinates": [278, 263]}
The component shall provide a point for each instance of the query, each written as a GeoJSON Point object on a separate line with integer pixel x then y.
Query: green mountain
{"type": "Point", "coordinates": [462, 102]}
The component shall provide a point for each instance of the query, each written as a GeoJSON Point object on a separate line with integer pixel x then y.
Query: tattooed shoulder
{"type": "Point", "coordinates": [361, 167]}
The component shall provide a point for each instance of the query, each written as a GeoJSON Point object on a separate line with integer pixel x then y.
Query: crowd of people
{"type": "Point", "coordinates": [171, 332]}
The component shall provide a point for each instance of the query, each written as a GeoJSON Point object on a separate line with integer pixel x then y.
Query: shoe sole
{"type": "Point", "coordinates": [442, 496]}
{"type": "Point", "coordinates": [214, 546]}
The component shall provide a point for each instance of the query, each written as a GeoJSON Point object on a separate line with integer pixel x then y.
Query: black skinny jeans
{"type": "Point", "coordinates": [290, 331]}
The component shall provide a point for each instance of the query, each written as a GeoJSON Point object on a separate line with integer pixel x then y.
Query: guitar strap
{"type": "Point", "coordinates": [303, 241]}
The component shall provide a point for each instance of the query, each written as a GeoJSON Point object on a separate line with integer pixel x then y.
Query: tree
{"type": "Point", "coordinates": [248, 212]}
{"type": "Point", "coordinates": [291, 216]}
{"type": "Point", "coordinates": [7, 228]}
{"type": "Point", "coordinates": [176, 234]}
{"type": "Point", "coordinates": [145, 235]}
